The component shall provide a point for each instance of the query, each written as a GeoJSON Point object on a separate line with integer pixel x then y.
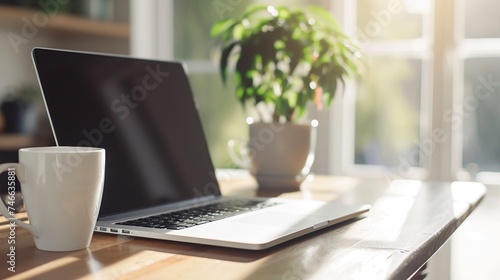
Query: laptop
{"type": "Point", "coordinates": [160, 182]}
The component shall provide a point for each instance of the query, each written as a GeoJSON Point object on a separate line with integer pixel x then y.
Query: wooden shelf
{"type": "Point", "coordinates": [65, 23]}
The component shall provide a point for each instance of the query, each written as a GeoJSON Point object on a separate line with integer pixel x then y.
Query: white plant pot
{"type": "Point", "coordinates": [278, 155]}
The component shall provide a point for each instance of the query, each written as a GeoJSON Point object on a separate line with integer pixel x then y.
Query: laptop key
{"type": "Point", "coordinates": [182, 219]}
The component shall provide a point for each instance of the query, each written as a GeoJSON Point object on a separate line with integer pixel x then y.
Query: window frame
{"type": "Point", "coordinates": [342, 130]}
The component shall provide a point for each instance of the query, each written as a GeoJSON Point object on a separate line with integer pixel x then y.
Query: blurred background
{"type": "Point", "coordinates": [425, 66]}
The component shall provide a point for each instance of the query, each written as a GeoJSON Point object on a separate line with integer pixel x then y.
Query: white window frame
{"type": "Point", "coordinates": [342, 115]}
{"type": "Point", "coordinates": [469, 48]}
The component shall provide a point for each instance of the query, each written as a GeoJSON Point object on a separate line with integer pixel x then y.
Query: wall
{"type": "Point", "coordinates": [19, 35]}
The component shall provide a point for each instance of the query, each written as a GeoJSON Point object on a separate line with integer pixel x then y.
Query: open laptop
{"type": "Point", "coordinates": [160, 182]}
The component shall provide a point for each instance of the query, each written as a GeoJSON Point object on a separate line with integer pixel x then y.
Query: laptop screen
{"type": "Point", "coordinates": [142, 112]}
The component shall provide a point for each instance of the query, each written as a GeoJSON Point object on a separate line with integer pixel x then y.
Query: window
{"type": "Point", "coordinates": [423, 109]}
{"type": "Point", "coordinates": [479, 93]}
{"type": "Point", "coordinates": [386, 123]}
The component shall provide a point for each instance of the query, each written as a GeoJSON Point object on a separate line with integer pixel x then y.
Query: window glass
{"type": "Point", "coordinates": [387, 113]}
{"type": "Point", "coordinates": [390, 19]}
{"type": "Point", "coordinates": [221, 115]}
{"type": "Point", "coordinates": [481, 19]}
{"type": "Point", "coordinates": [481, 132]}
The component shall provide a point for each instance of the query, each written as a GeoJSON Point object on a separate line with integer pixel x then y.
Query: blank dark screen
{"type": "Point", "coordinates": [142, 112]}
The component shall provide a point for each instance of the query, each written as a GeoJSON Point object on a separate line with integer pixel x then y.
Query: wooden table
{"type": "Point", "coordinates": [409, 222]}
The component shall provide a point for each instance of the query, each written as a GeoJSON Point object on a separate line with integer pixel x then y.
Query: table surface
{"type": "Point", "coordinates": [409, 221]}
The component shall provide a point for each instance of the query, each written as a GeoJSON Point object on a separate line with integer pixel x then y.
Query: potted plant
{"type": "Point", "coordinates": [284, 59]}
{"type": "Point", "coordinates": [18, 109]}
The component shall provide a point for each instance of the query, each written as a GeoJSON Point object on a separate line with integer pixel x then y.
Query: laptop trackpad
{"type": "Point", "coordinates": [280, 219]}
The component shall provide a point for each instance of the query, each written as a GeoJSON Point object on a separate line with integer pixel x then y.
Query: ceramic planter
{"type": "Point", "coordinates": [278, 155]}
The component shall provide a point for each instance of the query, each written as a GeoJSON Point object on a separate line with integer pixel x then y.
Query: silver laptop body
{"type": "Point", "coordinates": [143, 113]}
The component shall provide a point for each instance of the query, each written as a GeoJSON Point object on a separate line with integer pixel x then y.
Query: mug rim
{"type": "Point", "coordinates": [61, 149]}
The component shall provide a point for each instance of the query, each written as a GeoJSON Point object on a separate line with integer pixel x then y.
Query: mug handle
{"type": "Point", "coordinates": [238, 152]}
{"type": "Point", "coordinates": [3, 209]}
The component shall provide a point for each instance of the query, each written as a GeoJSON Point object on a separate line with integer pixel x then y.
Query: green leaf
{"type": "Point", "coordinates": [254, 9]}
{"type": "Point", "coordinates": [283, 12]}
{"type": "Point", "coordinates": [292, 98]}
{"type": "Point", "coordinates": [279, 45]}
{"type": "Point", "coordinates": [221, 27]}
{"type": "Point", "coordinates": [224, 60]}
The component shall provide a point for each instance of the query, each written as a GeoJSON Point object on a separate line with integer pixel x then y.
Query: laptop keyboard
{"type": "Point", "coordinates": [186, 218]}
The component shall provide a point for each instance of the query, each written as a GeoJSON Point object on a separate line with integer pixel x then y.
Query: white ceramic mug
{"type": "Point", "coordinates": [62, 190]}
